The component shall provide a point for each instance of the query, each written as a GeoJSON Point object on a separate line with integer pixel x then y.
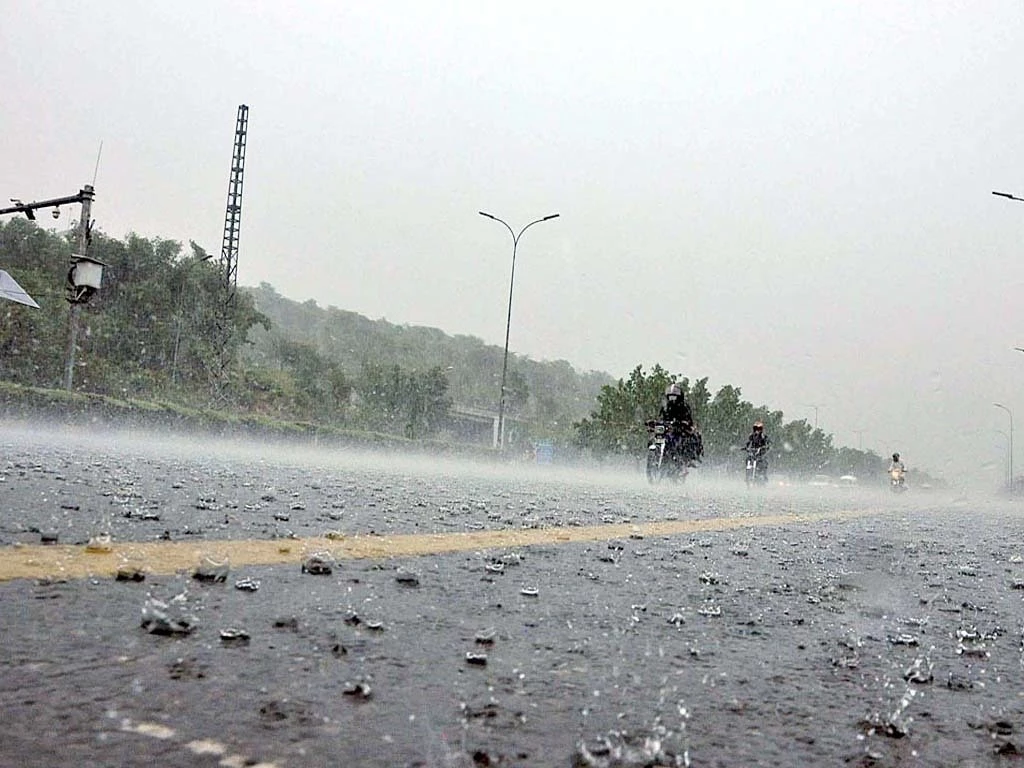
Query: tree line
{"type": "Point", "coordinates": [616, 428]}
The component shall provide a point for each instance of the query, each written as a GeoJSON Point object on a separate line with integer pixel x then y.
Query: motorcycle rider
{"type": "Point", "coordinates": [758, 444]}
{"type": "Point", "coordinates": [676, 413]}
{"type": "Point", "coordinates": [896, 465]}
{"type": "Point", "coordinates": [897, 472]}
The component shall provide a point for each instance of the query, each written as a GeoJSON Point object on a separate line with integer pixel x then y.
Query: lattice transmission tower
{"type": "Point", "coordinates": [229, 257]}
{"type": "Point", "coordinates": [233, 213]}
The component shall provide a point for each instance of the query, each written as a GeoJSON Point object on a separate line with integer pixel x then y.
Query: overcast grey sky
{"type": "Point", "coordinates": [792, 197]}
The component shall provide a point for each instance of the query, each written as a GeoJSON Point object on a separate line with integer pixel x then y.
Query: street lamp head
{"type": "Point", "coordinates": [484, 213]}
{"type": "Point", "coordinates": [549, 218]}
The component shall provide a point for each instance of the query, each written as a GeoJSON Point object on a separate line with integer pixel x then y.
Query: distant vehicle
{"type": "Point", "coordinates": [820, 481]}
{"type": "Point", "coordinates": [848, 481]}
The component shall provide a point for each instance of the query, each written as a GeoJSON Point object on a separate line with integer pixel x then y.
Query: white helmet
{"type": "Point", "coordinates": [673, 389]}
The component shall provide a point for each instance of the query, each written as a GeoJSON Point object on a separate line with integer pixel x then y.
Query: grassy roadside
{"type": "Point", "coordinates": [58, 406]}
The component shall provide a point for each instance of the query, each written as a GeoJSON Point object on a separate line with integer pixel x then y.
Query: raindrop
{"type": "Point", "coordinates": [100, 544]}
{"type": "Point", "coordinates": [160, 618]}
{"type": "Point", "coordinates": [319, 564]}
{"type": "Point", "coordinates": [903, 639]}
{"type": "Point", "coordinates": [130, 573]}
{"type": "Point", "coordinates": [247, 584]}
{"type": "Point", "coordinates": [407, 578]}
{"type": "Point", "coordinates": [233, 636]}
{"type": "Point", "coordinates": [212, 571]}
{"type": "Point", "coordinates": [485, 636]}
{"type": "Point", "coordinates": [357, 690]}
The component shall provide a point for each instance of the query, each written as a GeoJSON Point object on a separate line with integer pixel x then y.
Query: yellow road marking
{"type": "Point", "coordinates": [166, 557]}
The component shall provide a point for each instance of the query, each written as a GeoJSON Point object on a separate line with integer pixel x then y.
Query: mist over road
{"type": "Point", "coordinates": [483, 615]}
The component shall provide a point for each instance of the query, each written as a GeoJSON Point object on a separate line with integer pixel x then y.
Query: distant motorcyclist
{"type": "Point", "coordinates": [756, 447]}
{"type": "Point", "coordinates": [897, 473]}
{"type": "Point", "coordinates": [896, 465]}
{"type": "Point", "coordinates": [758, 442]}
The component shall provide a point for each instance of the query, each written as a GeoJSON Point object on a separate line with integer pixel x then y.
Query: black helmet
{"type": "Point", "coordinates": [895, 457]}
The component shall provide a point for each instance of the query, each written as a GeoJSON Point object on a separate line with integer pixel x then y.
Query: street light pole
{"type": "Point", "coordinates": [815, 407]}
{"type": "Point", "coordinates": [860, 438]}
{"type": "Point", "coordinates": [1006, 437]}
{"type": "Point", "coordinates": [1010, 462]}
{"type": "Point", "coordinates": [508, 322]}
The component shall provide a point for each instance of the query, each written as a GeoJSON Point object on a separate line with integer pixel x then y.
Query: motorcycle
{"type": "Point", "coordinates": [757, 467]}
{"type": "Point", "coordinates": [664, 454]}
{"type": "Point", "coordinates": [898, 480]}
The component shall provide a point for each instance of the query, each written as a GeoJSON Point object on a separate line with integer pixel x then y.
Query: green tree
{"type": "Point", "coordinates": [617, 426]}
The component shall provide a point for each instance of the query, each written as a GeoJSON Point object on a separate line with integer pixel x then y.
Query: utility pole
{"type": "Point", "coordinates": [85, 273]}
{"type": "Point", "coordinates": [73, 306]}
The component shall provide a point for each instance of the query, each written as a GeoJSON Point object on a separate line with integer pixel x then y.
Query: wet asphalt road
{"type": "Point", "coordinates": [892, 636]}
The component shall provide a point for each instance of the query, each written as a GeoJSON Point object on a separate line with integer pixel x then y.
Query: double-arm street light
{"type": "Point", "coordinates": [508, 322]}
{"type": "Point", "coordinates": [1010, 462]}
